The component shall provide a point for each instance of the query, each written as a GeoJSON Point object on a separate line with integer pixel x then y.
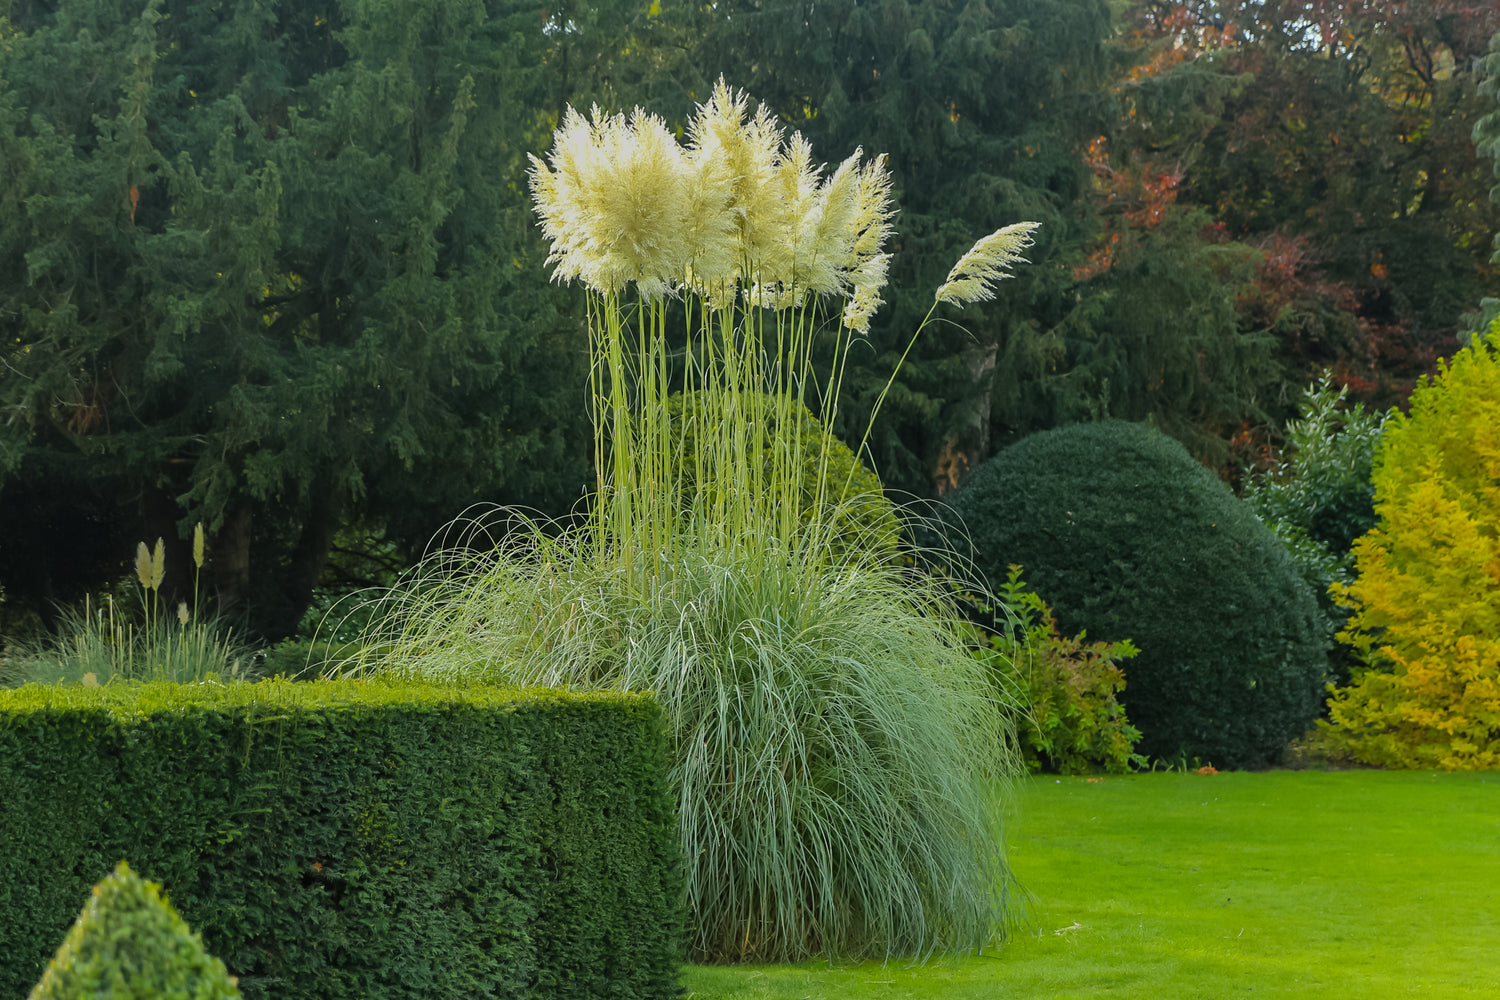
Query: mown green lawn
{"type": "Point", "coordinates": [1348, 885]}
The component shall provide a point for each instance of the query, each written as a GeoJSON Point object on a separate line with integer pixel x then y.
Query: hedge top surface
{"type": "Point", "coordinates": [286, 695]}
{"type": "Point", "coordinates": [1126, 536]}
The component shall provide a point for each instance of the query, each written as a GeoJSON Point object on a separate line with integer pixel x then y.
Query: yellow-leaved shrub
{"type": "Point", "coordinates": [1426, 599]}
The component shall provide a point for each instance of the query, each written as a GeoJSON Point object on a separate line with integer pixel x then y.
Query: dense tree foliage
{"type": "Point", "coordinates": [1426, 603]}
{"type": "Point", "coordinates": [273, 266]}
{"type": "Point", "coordinates": [1334, 137]}
{"type": "Point", "coordinates": [982, 109]}
{"type": "Point", "coordinates": [268, 268]}
{"type": "Point", "coordinates": [1487, 143]}
{"type": "Point", "coordinates": [1318, 499]}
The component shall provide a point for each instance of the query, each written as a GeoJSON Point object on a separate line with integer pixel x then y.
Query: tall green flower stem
{"type": "Point", "coordinates": [704, 469]}
{"type": "Point", "coordinates": [836, 748]}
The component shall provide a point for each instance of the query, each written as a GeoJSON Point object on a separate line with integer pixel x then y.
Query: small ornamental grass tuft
{"type": "Point", "coordinates": [100, 643]}
{"type": "Point", "coordinates": [836, 746]}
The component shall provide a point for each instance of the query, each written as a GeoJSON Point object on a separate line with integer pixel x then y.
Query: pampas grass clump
{"type": "Point", "coordinates": [838, 753]}
{"type": "Point", "coordinates": [95, 645]}
{"type": "Point", "coordinates": [100, 643]}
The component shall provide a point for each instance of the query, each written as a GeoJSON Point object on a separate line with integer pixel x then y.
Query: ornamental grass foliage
{"type": "Point", "coordinates": [103, 642]}
{"type": "Point", "coordinates": [859, 519]}
{"type": "Point", "coordinates": [838, 753]}
{"type": "Point", "coordinates": [1425, 601]}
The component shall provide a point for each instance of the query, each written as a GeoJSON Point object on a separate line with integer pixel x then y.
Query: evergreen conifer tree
{"type": "Point", "coordinates": [270, 267]}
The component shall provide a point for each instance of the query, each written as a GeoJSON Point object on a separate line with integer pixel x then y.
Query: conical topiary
{"type": "Point", "coordinates": [129, 944]}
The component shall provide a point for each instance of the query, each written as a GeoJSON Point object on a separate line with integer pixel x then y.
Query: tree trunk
{"type": "Point", "coordinates": [305, 567]}
{"type": "Point", "coordinates": [230, 558]}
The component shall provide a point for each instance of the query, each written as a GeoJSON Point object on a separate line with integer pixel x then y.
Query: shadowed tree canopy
{"type": "Point", "coordinates": [991, 113]}
{"type": "Point", "coordinates": [1487, 129]}
{"type": "Point", "coordinates": [274, 267]}
{"type": "Point", "coordinates": [271, 266]}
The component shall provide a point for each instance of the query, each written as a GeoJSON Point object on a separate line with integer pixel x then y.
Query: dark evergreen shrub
{"type": "Point", "coordinates": [1126, 536]}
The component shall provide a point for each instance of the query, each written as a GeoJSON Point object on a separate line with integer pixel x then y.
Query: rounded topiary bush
{"type": "Point", "coordinates": [128, 943]}
{"type": "Point", "coordinates": [1127, 537]}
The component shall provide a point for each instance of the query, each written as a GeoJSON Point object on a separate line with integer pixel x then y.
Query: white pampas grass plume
{"type": "Point", "coordinates": [613, 203]}
{"type": "Point", "coordinates": [748, 145]}
{"type": "Point", "coordinates": [143, 565]}
{"type": "Point", "coordinates": [872, 216]}
{"type": "Point", "coordinates": [710, 233]}
{"type": "Point", "coordinates": [158, 564]}
{"type": "Point", "coordinates": [865, 299]}
{"type": "Point", "coordinates": [826, 244]}
{"type": "Point", "coordinates": [775, 296]}
{"type": "Point", "coordinates": [782, 243]}
{"type": "Point", "coordinates": [736, 212]}
{"type": "Point", "coordinates": [973, 277]}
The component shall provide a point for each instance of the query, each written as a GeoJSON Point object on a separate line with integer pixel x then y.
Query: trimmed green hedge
{"type": "Point", "coordinates": [353, 839]}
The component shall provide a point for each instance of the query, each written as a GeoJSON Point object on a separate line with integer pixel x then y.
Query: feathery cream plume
{"type": "Point", "coordinates": [158, 564]}
{"type": "Point", "coordinates": [559, 195]}
{"type": "Point", "coordinates": [748, 146]}
{"type": "Point", "coordinates": [780, 262]}
{"type": "Point", "coordinates": [612, 204]}
{"type": "Point", "coordinates": [182, 612]}
{"type": "Point", "coordinates": [827, 244]}
{"type": "Point", "coordinates": [143, 565]}
{"type": "Point", "coordinates": [709, 232]}
{"type": "Point", "coordinates": [775, 295]}
{"type": "Point", "coordinates": [972, 278]}
{"type": "Point", "coordinates": [643, 222]}
{"type": "Point", "coordinates": [873, 209]}
{"type": "Point", "coordinates": [198, 545]}
{"type": "Point", "coordinates": [621, 202]}
{"type": "Point", "coordinates": [866, 263]}
{"type": "Point", "coordinates": [865, 298]}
